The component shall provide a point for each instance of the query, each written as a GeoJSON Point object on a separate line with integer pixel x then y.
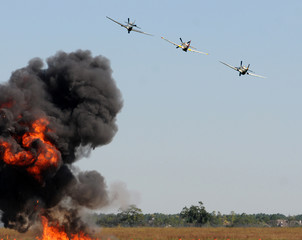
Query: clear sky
{"type": "Point", "coordinates": [191, 129]}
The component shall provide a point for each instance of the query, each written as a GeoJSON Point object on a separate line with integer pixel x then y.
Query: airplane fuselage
{"type": "Point", "coordinates": [242, 70]}
{"type": "Point", "coordinates": [185, 47]}
{"type": "Point", "coordinates": [129, 28]}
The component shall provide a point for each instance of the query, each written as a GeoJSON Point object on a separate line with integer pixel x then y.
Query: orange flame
{"type": "Point", "coordinates": [47, 154]}
{"type": "Point", "coordinates": [58, 233]}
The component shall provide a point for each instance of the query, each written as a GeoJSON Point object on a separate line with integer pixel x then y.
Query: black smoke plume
{"type": "Point", "coordinates": [78, 96]}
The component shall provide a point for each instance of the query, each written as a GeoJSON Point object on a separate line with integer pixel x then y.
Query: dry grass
{"type": "Point", "coordinates": [203, 233]}
{"type": "Point", "coordinates": [179, 233]}
{"type": "Point", "coordinates": [6, 234]}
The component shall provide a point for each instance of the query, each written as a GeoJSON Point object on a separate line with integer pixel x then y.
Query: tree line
{"type": "Point", "coordinates": [194, 216]}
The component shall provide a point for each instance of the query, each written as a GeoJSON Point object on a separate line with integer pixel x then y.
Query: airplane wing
{"type": "Point", "coordinates": [141, 32]}
{"type": "Point", "coordinates": [117, 22]}
{"type": "Point", "coordinates": [172, 42]}
{"type": "Point", "coordinates": [255, 75]}
{"type": "Point", "coordinates": [229, 66]}
{"type": "Point", "coordinates": [192, 50]}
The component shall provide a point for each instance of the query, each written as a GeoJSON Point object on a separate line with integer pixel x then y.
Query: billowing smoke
{"type": "Point", "coordinates": [49, 117]}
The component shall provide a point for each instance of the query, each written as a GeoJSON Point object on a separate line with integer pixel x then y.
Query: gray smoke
{"type": "Point", "coordinates": [78, 96]}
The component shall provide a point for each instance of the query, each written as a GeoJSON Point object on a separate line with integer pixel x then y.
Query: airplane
{"type": "Point", "coordinates": [185, 46]}
{"type": "Point", "coordinates": [130, 26]}
{"type": "Point", "coordinates": [243, 70]}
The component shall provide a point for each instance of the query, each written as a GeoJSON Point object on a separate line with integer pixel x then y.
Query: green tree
{"type": "Point", "coordinates": [132, 216]}
{"type": "Point", "coordinates": [216, 219]}
{"type": "Point", "coordinates": [107, 220]}
{"type": "Point", "coordinates": [196, 215]}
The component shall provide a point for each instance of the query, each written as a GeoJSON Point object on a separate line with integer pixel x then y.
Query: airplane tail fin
{"type": "Point", "coordinates": [189, 43]}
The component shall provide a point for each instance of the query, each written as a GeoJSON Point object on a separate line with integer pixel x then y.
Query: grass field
{"type": "Point", "coordinates": [178, 233]}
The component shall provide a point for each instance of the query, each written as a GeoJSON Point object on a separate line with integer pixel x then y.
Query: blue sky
{"type": "Point", "coordinates": [191, 129]}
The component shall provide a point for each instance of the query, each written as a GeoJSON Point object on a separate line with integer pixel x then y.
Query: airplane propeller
{"type": "Point", "coordinates": [132, 23]}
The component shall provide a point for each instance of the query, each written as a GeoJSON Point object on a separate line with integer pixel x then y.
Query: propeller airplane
{"type": "Point", "coordinates": [130, 26]}
{"type": "Point", "coordinates": [243, 70]}
{"type": "Point", "coordinates": [185, 46]}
